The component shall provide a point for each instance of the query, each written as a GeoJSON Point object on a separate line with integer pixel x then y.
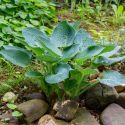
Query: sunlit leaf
{"type": "Point", "coordinates": [83, 39]}
{"type": "Point", "coordinates": [108, 61]}
{"type": "Point", "coordinates": [61, 73]}
{"type": "Point", "coordinates": [63, 35]}
{"type": "Point", "coordinates": [36, 38]}
{"type": "Point", "coordinates": [112, 78]}
{"type": "Point", "coordinates": [70, 52]}
{"type": "Point", "coordinates": [16, 55]}
{"type": "Point", "coordinates": [90, 52]}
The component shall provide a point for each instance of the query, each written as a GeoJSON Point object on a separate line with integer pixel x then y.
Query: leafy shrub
{"type": "Point", "coordinates": [18, 14]}
{"type": "Point", "coordinates": [69, 57]}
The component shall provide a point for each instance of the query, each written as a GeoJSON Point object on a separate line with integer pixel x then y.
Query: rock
{"type": "Point", "coordinates": [9, 118]}
{"type": "Point", "coordinates": [9, 97]}
{"type": "Point", "coordinates": [83, 117]}
{"type": "Point", "coordinates": [94, 76]}
{"type": "Point", "coordinates": [49, 120]}
{"type": "Point", "coordinates": [35, 96]}
{"type": "Point", "coordinates": [67, 110]}
{"type": "Point", "coordinates": [121, 99]}
{"type": "Point", "coordinates": [120, 88]}
{"type": "Point", "coordinates": [33, 109]}
{"type": "Point", "coordinates": [100, 96]}
{"type": "Point", "coordinates": [2, 123]}
{"type": "Point", "coordinates": [57, 105]}
{"type": "Point", "coordinates": [113, 115]}
{"type": "Point", "coordinates": [36, 123]}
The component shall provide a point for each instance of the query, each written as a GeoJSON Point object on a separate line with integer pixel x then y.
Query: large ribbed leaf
{"type": "Point", "coordinates": [7, 47]}
{"type": "Point", "coordinates": [16, 55]}
{"type": "Point", "coordinates": [84, 39]}
{"type": "Point", "coordinates": [63, 35]}
{"type": "Point", "coordinates": [112, 78]}
{"type": "Point", "coordinates": [101, 60]}
{"type": "Point", "coordinates": [36, 38]}
{"type": "Point", "coordinates": [70, 52]}
{"type": "Point", "coordinates": [61, 73]}
{"type": "Point", "coordinates": [90, 51]}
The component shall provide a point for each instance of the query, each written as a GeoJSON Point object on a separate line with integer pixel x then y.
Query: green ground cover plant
{"type": "Point", "coordinates": [119, 17]}
{"type": "Point", "coordinates": [18, 14]}
{"type": "Point", "coordinates": [69, 56]}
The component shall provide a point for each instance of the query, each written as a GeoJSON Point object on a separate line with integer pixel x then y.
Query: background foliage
{"type": "Point", "coordinates": [17, 14]}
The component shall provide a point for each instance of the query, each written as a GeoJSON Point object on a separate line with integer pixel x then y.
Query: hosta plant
{"type": "Point", "coordinates": [69, 56]}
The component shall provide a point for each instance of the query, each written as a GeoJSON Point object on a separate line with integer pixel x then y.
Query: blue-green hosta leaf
{"type": "Point", "coordinates": [33, 36]}
{"type": "Point", "coordinates": [112, 78]}
{"type": "Point", "coordinates": [70, 52]}
{"type": "Point", "coordinates": [84, 39]}
{"type": "Point", "coordinates": [53, 50]}
{"type": "Point", "coordinates": [36, 38]}
{"type": "Point", "coordinates": [61, 73]}
{"type": "Point", "coordinates": [111, 53]}
{"type": "Point", "coordinates": [101, 60]}
{"type": "Point", "coordinates": [17, 56]}
{"type": "Point", "coordinates": [63, 35]}
{"type": "Point", "coordinates": [90, 52]}
{"type": "Point", "coordinates": [33, 74]}
{"type": "Point", "coordinates": [6, 47]}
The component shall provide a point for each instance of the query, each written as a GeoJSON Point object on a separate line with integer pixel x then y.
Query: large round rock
{"type": "Point", "coordinates": [66, 110]}
{"type": "Point", "coordinates": [113, 115]}
{"type": "Point", "coordinates": [100, 96]}
{"type": "Point", "coordinates": [33, 109]}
